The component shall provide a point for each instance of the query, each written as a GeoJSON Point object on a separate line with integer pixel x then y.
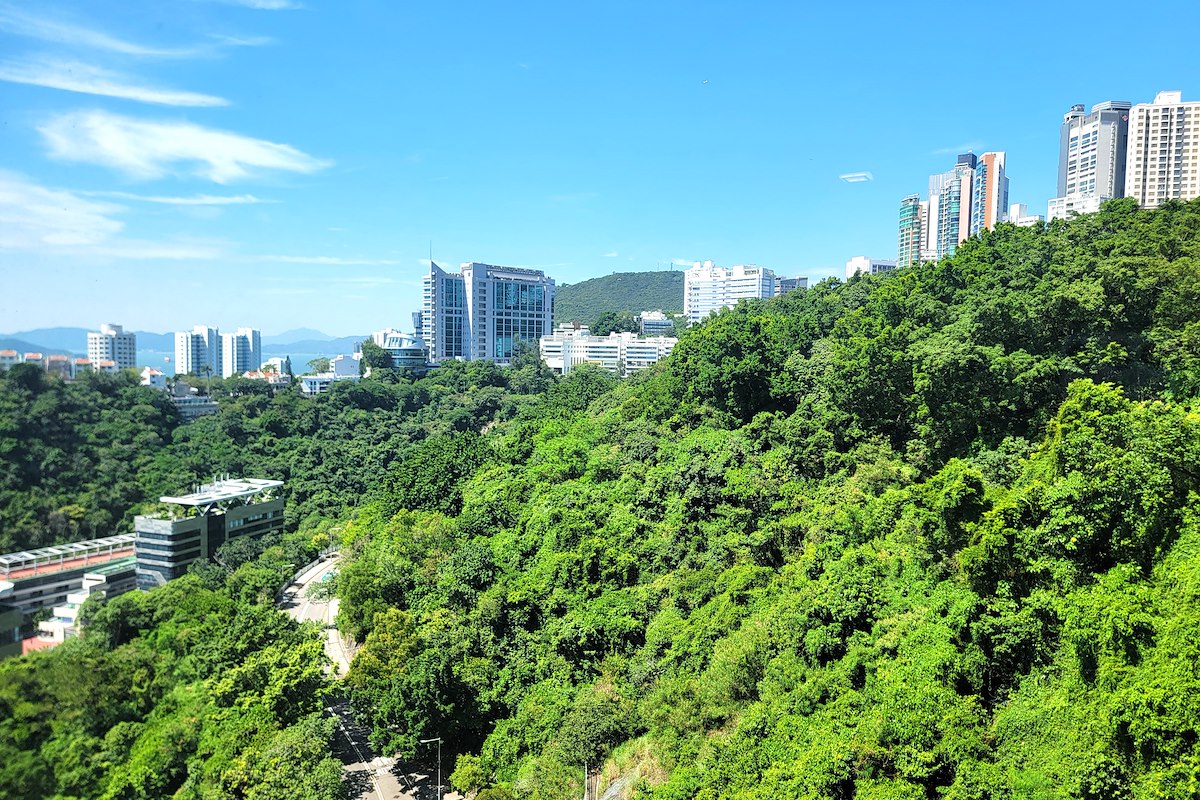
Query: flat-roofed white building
{"type": "Point", "coordinates": [861, 265]}
{"type": "Point", "coordinates": [407, 351]}
{"type": "Point", "coordinates": [620, 353]}
{"type": "Point", "coordinates": [198, 352]}
{"type": "Point", "coordinates": [708, 288]}
{"type": "Point", "coordinates": [112, 343]}
{"type": "Point", "coordinates": [240, 352]}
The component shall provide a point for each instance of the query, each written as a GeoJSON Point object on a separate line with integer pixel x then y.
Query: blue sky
{"type": "Point", "coordinates": [282, 164]}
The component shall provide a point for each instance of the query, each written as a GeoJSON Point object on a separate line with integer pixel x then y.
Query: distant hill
{"type": "Point", "coordinates": [621, 291]}
{"type": "Point", "coordinates": [74, 340]}
{"type": "Point", "coordinates": [22, 346]}
{"type": "Point", "coordinates": [296, 335]}
{"type": "Point", "coordinates": [320, 347]}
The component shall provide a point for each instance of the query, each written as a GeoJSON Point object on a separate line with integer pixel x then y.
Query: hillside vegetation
{"type": "Point", "coordinates": [931, 534]}
{"type": "Point", "coordinates": [620, 291]}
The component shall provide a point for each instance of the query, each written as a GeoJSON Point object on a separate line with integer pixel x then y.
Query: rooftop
{"type": "Point", "coordinates": [222, 490]}
{"type": "Point", "coordinates": [61, 553]}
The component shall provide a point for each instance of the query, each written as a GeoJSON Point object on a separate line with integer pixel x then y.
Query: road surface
{"type": "Point", "coordinates": [370, 776]}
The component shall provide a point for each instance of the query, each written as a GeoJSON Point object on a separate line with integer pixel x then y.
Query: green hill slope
{"type": "Point", "coordinates": [621, 291]}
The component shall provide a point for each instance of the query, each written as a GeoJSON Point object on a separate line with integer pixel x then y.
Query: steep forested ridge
{"type": "Point", "coordinates": [620, 291]}
{"type": "Point", "coordinates": [931, 534]}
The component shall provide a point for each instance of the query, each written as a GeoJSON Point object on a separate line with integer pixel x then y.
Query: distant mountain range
{"type": "Point", "coordinates": [74, 341]}
{"type": "Point", "coordinates": [621, 291]}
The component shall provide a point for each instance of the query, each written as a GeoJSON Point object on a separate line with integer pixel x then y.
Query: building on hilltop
{"type": "Point", "coordinates": [1018, 214]}
{"type": "Point", "coordinates": [989, 193]}
{"type": "Point", "coordinates": [1092, 150]}
{"type": "Point", "coordinates": [481, 313]}
{"type": "Point", "coordinates": [111, 343]}
{"type": "Point", "coordinates": [1161, 160]}
{"type": "Point", "coordinates": [861, 265]}
{"type": "Point", "coordinates": [105, 581]}
{"type": "Point", "coordinates": [43, 578]}
{"type": "Point", "coordinates": [199, 523]}
{"type": "Point", "coordinates": [912, 231]}
{"type": "Point", "coordinates": [655, 323]}
{"type": "Point", "coordinates": [785, 285]}
{"type": "Point", "coordinates": [198, 352]}
{"type": "Point", "coordinates": [708, 288]}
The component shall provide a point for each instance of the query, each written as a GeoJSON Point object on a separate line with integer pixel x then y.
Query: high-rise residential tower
{"type": "Point", "coordinates": [111, 343]}
{"type": "Point", "coordinates": [240, 352]}
{"type": "Point", "coordinates": [989, 192]}
{"type": "Point", "coordinates": [481, 313]}
{"type": "Point", "coordinates": [708, 288]}
{"type": "Point", "coordinates": [198, 352]}
{"type": "Point", "coordinates": [1161, 161]}
{"type": "Point", "coordinates": [1091, 158]}
{"type": "Point", "coordinates": [912, 224]}
{"type": "Point", "coordinates": [950, 205]}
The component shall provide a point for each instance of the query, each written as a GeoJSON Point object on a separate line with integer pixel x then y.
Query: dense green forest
{"type": "Point", "coordinates": [931, 534]}
{"type": "Point", "coordinates": [621, 291]}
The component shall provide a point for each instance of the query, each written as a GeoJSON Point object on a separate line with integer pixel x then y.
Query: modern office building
{"type": "Point", "coordinates": [198, 352]}
{"type": "Point", "coordinates": [861, 265]}
{"type": "Point", "coordinates": [950, 206]}
{"type": "Point", "coordinates": [655, 323]}
{"type": "Point", "coordinates": [708, 288]}
{"type": "Point", "coordinates": [199, 523]}
{"type": "Point", "coordinates": [240, 352]}
{"type": "Point", "coordinates": [785, 285]}
{"type": "Point", "coordinates": [481, 313]}
{"type": "Point", "coordinates": [10, 624]}
{"type": "Point", "coordinates": [111, 343]}
{"type": "Point", "coordinates": [1161, 160]}
{"type": "Point", "coordinates": [912, 226]}
{"type": "Point", "coordinates": [407, 351]}
{"type": "Point", "coordinates": [1092, 149]}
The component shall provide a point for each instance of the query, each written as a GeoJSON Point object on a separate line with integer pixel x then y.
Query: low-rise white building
{"type": "Point", "coordinates": [407, 351]}
{"type": "Point", "coordinates": [868, 266]}
{"type": "Point", "coordinates": [154, 377]}
{"type": "Point", "coordinates": [619, 353]}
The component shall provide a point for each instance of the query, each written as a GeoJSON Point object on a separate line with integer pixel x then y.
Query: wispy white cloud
{"type": "Point", "coordinates": [17, 21]}
{"type": "Point", "coordinates": [682, 262]}
{"type": "Point", "coordinates": [612, 254]}
{"type": "Point", "coordinates": [194, 200]}
{"type": "Point", "coordinates": [264, 5]}
{"type": "Point", "coordinates": [145, 149]}
{"type": "Point", "coordinates": [32, 216]}
{"type": "Point", "coordinates": [333, 261]}
{"type": "Point", "coordinates": [959, 148]}
{"type": "Point", "coordinates": [73, 76]}
{"type": "Point", "coordinates": [40, 219]}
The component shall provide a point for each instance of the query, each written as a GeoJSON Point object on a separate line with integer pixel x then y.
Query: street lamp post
{"type": "Point", "coordinates": [437, 739]}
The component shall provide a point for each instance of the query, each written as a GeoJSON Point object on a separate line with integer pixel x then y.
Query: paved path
{"type": "Point", "coordinates": [370, 776]}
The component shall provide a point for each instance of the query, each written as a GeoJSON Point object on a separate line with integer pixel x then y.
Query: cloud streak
{"type": "Point", "coordinates": [17, 21]}
{"type": "Point", "coordinates": [73, 76]}
{"type": "Point", "coordinates": [332, 261]}
{"type": "Point", "coordinates": [264, 5]}
{"type": "Point", "coordinates": [195, 200]}
{"type": "Point", "coordinates": [958, 149]}
{"type": "Point", "coordinates": [43, 220]}
{"type": "Point", "coordinates": [146, 150]}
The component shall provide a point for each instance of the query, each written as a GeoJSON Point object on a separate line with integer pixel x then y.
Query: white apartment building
{"type": "Point", "coordinates": [619, 353]}
{"type": "Point", "coordinates": [1091, 158]}
{"type": "Point", "coordinates": [1162, 160]}
{"type": "Point", "coordinates": [111, 343]}
{"type": "Point", "coordinates": [198, 352]}
{"type": "Point", "coordinates": [153, 377]}
{"type": "Point", "coordinates": [708, 288]}
{"type": "Point", "coordinates": [481, 313]}
{"type": "Point", "coordinates": [861, 265]}
{"type": "Point", "coordinates": [240, 352]}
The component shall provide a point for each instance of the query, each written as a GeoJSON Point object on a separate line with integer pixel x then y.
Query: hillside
{"type": "Point", "coordinates": [927, 534]}
{"type": "Point", "coordinates": [621, 291]}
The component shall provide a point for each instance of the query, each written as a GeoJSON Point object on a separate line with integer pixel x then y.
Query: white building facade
{"type": "Point", "coordinates": [1092, 150]}
{"type": "Point", "coordinates": [620, 353]}
{"type": "Point", "coordinates": [407, 351]}
{"type": "Point", "coordinates": [198, 352]}
{"type": "Point", "coordinates": [112, 343]}
{"type": "Point", "coordinates": [708, 288]}
{"type": "Point", "coordinates": [240, 352]}
{"type": "Point", "coordinates": [861, 265]}
{"type": "Point", "coordinates": [481, 313]}
{"type": "Point", "coordinates": [1161, 161]}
